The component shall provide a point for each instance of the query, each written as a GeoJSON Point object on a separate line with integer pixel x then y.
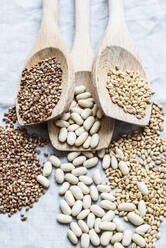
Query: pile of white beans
{"type": "Point", "coordinates": [88, 205]}
{"type": "Point", "coordinates": [80, 126]}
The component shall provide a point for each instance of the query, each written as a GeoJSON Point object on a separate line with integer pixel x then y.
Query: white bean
{"type": "Point", "coordinates": [101, 153]}
{"type": "Point", "coordinates": [73, 127]}
{"type": "Point", "coordinates": [94, 110]}
{"type": "Point", "coordinates": [79, 160]}
{"type": "Point", "coordinates": [65, 207]}
{"type": "Point", "coordinates": [85, 103]}
{"type": "Point", "coordinates": [84, 227]}
{"type": "Point", "coordinates": [62, 134]}
{"type": "Point", "coordinates": [76, 229]}
{"type": "Point", "coordinates": [119, 224]}
{"type": "Point", "coordinates": [77, 193]}
{"type": "Point", "coordinates": [135, 219]}
{"type": "Point", "coordinates": [61, 123]}
{"type": "Point", "coordinates": [85, 179]}
{"type": "Point", "coordinates": [67, 167]}
{"type": "Point", "coordinates": [127, 238]}
{"type": "Point", "coordinates": [79, 131]}
{"type": "Point", "coordinates": [94, 193]}
{"type": "Point", "coordinates": [124, 168]}
{"type": "Point", "coordinates": [108, 216]}
{"type": "Point", "coordinates": [88, 154]}
{"type": "Point", "coordinates": [55, 161]}
{"type": "Point", "coordinates": [95, 128]}
{"type": "Point", "coordinates": [86, 144]}
{"type": "Point", "coordinates": [107, 226]}
{"type": "Point", "coordinates": [71, 178]}
{"type": "Point", "coordinates": [71, 138]}
{"type": "Point", "coordinates": [81, 139]}
{"type": "Point", "coordinates": [117, 237]}
{"type": "Point", "coordinates": [98, 211]}
{"type": "Point", "coordinates": [65, 116]}
{"type": "Point", "coordinates": [79, 89]}
{"type": "Point", "coordinates": [105, 204]}
{"type": "Point", "coordinates": [77, 207]}
{"type": "Point", "coordinates": [114, 162]}
{"type": "Point", "coordinates": [69, 198]}
{"type": "Point", "coordinates": [103, 188]}
{"type": "Point", "coordinates": [73, 104]}
{"type": "Point", "coordinates": [125, 206]}
{"type": "Point", "coordinates": [142, 207]}
{"type": "Point", "coordinates": [64, 219]}
{"type": "Point", "coordinates": [118, 245]}
{"type": "Point", "coordinates": [65, 186]}
{"type": "Point", "coordinates": [86, 113]}
{"type": "Point", "coordinates": [77, 118]}
{"type": "Point", "coordinates": [88, 123]}
{"type": "Point", "coordinates": [87, 201]}
{"type": "Point", "coordinates": [59, 176]}
{"type": "Point", "coordinates": [91, 220]}
{"type": "Point", "coordinates": [142, 229]}
{"type": "Point", "coordinates": [83, 187]}
{"type": "Point", "coordinates": [143, 188]}
{"type": "Point", "coordinates": [43, 181]}
{"type": "Point", "coordinates": [94, 238]}
{"type": "Point", "coordinates": [107, 196]}
{"type": "Point", "coordinates": [106, 161]}
{"type": "Point", "coordinates": [105, 238]}
{"type": "Point", "coordinates": [97, 222]}
{"type": "Point", "coordinates": [84, 95]}
{"type": "Point", "coordinates": [72, 155]}
{"type": "Point", "coordinates": [72, 237]}
{"type": "Point", "coordinates": [99, 114]}
{"type": "Point", "coordinates": [89, 163]}
{"type": "Point", "coordinates": [79, 171]}
{"type": "Point", "coordinates": [97, 177]}
{"type": "Point", "coordinates": [83, 214]}
{"type": "Point", "coordinates": [84, 240]}
{"type": "Point", "coordinates": [94, 140]}
{"type": "Point", "coordinates": [47, 169]}
{"type": "Point", "coordinates": [76, 110]}
{"type": "Point", "coordinates": [119, 152]}
{"type": "Point", "coordinates": [140, 241]}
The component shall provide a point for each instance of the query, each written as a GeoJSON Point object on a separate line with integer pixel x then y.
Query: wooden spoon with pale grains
{"type": "Point", "coordinates": [117, 48]}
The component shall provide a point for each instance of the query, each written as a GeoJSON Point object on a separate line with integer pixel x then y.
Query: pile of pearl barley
{"type": "Point", "coordinates": [40, 90]}
{"type": "Point", "coordinates": [19, 167]}
{"type": "Point", "coordinates": [80, 126]}
{"type": "Point", "coordinates": [129, 91]}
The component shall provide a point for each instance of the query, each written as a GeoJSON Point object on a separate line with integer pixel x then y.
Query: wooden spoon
{"type": "Point", "coordinates": [117, 48]}
{"type": "Point", "coordinates": [82, 58]}
{"type": "Point", "coordinates": [47, 45]}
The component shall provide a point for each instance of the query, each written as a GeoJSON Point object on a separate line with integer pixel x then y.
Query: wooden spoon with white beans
{"type": "Point", "coordinates": [117, 48]}
{"type": "Point", "coordinates": [82, 58]}
{"type": "Point", "coordinates": [49, 45]}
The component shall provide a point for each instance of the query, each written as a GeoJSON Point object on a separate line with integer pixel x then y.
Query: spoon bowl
{"type": "Point", "coordinates": [49, 45]}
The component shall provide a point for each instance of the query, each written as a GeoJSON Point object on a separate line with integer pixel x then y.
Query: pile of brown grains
{"type": "Point", "coordinates": [19, 168]}
{"type": "Point", "coordinates": [129, 91]}
{"type": "Point", "coordinates": [40, 91]}
{"type": "Point", "coordinates": [145, 156]}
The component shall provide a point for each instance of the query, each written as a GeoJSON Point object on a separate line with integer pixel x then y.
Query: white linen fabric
{"type": "Point", "coordinates": [19, 25]}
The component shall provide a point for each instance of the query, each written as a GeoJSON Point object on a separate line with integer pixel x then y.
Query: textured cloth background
{"type": "Point", "coordinates": [19, 25]}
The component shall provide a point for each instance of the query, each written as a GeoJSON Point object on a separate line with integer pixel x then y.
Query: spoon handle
{"type": "Point", "coordinates": [116, 14]}
{"type": "Point", "coordinates": [82, 55]}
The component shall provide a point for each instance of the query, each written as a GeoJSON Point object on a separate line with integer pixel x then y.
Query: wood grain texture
{"type": "Point", "coordinates": [116, 48]}
{"type": "Point", "coordinates": [49, 44]}
{"type": "Point", "coordinates": [82, 58]}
